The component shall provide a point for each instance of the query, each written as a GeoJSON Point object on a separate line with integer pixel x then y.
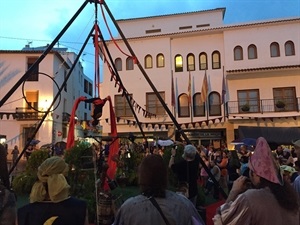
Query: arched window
{"type": "Point", "coordinates": [238, 53]}
{"type": "Point", "coordinates": [274, 48]}
{"type": "Point", "coordinates": [160, 61]}
{"type": "Point", "coordinates": [183, 106]}
{"type": "Point", "coordinates": [148, 62]}
{"type": "Point", "coordinates": [198, 106]}
{"type": "Point", "coordinates": [129, 63]}
{"type": "Point", "coordinates": [216, 60]}
{"type": "Point", "coordinates": [203, 61]}
{"type": "Point", "coordinates": [178, 63]}
{"type": "Point", "coordinates": [214, 104]}
{"type": "Point", "coordinates": [289, 48]}
{"type": "Point", "coordinates": [118, 64]}
{"type": "Point", "coordinates": [252, 52]}
{"type": "Point", "coordinates": [190, 62]}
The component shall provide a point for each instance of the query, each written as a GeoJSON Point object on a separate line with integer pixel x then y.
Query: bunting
{"type": "Point", "coordinates": [204, 90]}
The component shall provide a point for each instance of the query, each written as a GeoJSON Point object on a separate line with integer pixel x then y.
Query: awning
{"type": "Point", "coordinates": [273, 135]}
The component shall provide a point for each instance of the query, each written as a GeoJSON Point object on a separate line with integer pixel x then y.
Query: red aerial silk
{"type": "Point", "coordinates": [71, 136]}
{"type": "Point", "coordinates": [114, 147]}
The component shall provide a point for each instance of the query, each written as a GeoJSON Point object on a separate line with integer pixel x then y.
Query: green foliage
{"type": "Point", "coordinates": [81, 176]}
{"type": "Point", "coordinates": [245, 107]}
{"type": "Point", "coordinates": [35, 160]}
{"type": "Point", "coordinates": [280, 104]}
{"type": "Point", "coordinates": [23, 182]}
{"type": "Point", "coordinates": [173, 181]}
{"type": "Point", "coordinates": [128, 166]}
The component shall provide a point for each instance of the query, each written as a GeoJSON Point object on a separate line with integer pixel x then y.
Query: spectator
{"type": "Point", "coordinates": [233, 168]}
{"type": "Point", "coordinates": [142, 209]}
{"type": "Point", "coordinates": [296, 183]}
{"type": "Point", "coordinates": [279, 151]}
{"type": "Point", "coordinates": [244, 164]}
{"type": "Point", "coordinates": [287, 158]}
{"type": "Point", "coordinates": [29, 151]}
{"type": "Point", "coordinates": [223, 167]}
{"type": "Point", "coordinates": [50, 200]}
{"type": "Point", "coordinates": [273, 201]}
{"type": "Point", "coordinates": [216, 172]}
{"type": "Point", "coordinates": [297, 148]}
{"type": "Point", "coordinates": [203, 173]}
{"type": "Point", "coordinates": [15, 153]}
{"type": "Point", "coordinates": [8, 211]}
{"type": "Point", "coordinates": [287, 172]}
{"type": "Point", "coordinates": [187, 169]}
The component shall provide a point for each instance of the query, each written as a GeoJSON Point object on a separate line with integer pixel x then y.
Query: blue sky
{"type": "Point", "coordinates": [39, 22]}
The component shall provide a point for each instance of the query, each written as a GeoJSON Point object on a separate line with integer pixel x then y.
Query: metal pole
{"type": "Point", "coordinates": [216, 183]}
{"type": "Point", "coordinates": [54, 100]}
{"type": "Point", "coordinates": [30, 70]}
{"type": "Point", "coordinates": [121, 83]}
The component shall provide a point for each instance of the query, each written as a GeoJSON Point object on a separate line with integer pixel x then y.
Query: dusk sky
{"type": "Point", "coordinates": [39, 22]}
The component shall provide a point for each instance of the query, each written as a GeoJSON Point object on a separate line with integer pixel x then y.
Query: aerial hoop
{"type": "Point", "coordinates": [30, 106]}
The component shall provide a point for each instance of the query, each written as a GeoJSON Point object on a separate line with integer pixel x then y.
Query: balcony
{"type": "Point", "coordinates": [263, 106]}
{"type": "Point", "coordinates": [23, 113]}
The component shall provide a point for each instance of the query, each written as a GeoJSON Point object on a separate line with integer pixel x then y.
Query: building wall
{"type": "Point", "coordinates": [263, 73]}
{"type": "Point", "coordinates": [172, 23]}
{"type": "Point", "coordinates": [13, 67]}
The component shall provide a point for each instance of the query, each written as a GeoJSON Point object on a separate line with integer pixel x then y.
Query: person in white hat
{"type": "Point", "coordinates": [187, 169]}
{"type": "Point", "coordinates": [270, 201]}
{"type": "Point", "coordinates": [297, 148]}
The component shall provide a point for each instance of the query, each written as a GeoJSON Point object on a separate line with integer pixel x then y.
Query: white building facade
{"type": "Point", "coordinates": [18, 119]}
{"type": "Point", "coordinates": [259, 64]}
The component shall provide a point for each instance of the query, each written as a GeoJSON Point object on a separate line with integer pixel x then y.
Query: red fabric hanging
{"type": "Point", "coordinates": [71, 136]}
{"type": "Point", "coordinates": [114, 147]}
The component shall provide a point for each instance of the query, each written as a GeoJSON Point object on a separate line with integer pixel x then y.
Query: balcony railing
{"type": "Point", "coordinates": [23, 113]}
{"type": "Point", "coordinates": [263, 106]}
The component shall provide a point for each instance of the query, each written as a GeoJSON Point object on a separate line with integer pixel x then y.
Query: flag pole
{"type": "Point", "coordinates": [223, 95]}
{"type": "Point", "coordinates": [173, 99]}
{"type": "Point", "coordinates": [190, 95]}
{"type": "Point", "coordinates": [204, 94]}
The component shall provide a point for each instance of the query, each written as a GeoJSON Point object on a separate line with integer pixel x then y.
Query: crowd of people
{"type": "Point", "coordinates": [263, 187]}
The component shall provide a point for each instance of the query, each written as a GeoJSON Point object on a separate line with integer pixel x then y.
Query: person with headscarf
{"type": "Point", "coordinates": [270, 201]}
{"type": "Point", "coordinates": [50, 202]}
{"type": "Point", "coordinates": [144, 208]}
{"type": "Point", "coordinates": [8, 208]}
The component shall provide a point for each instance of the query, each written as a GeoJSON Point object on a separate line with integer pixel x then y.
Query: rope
{"type": "Point", "coordinates": [111, 36]}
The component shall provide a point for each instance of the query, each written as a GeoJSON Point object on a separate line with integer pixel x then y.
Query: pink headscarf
{"type": "Point", "coordinates": [262, 162]}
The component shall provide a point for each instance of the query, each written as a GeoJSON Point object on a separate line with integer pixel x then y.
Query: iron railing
{"type": "Point", "coordinates": [263, 105]}
{"type": "Point", "coordinates": [24, 113]}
